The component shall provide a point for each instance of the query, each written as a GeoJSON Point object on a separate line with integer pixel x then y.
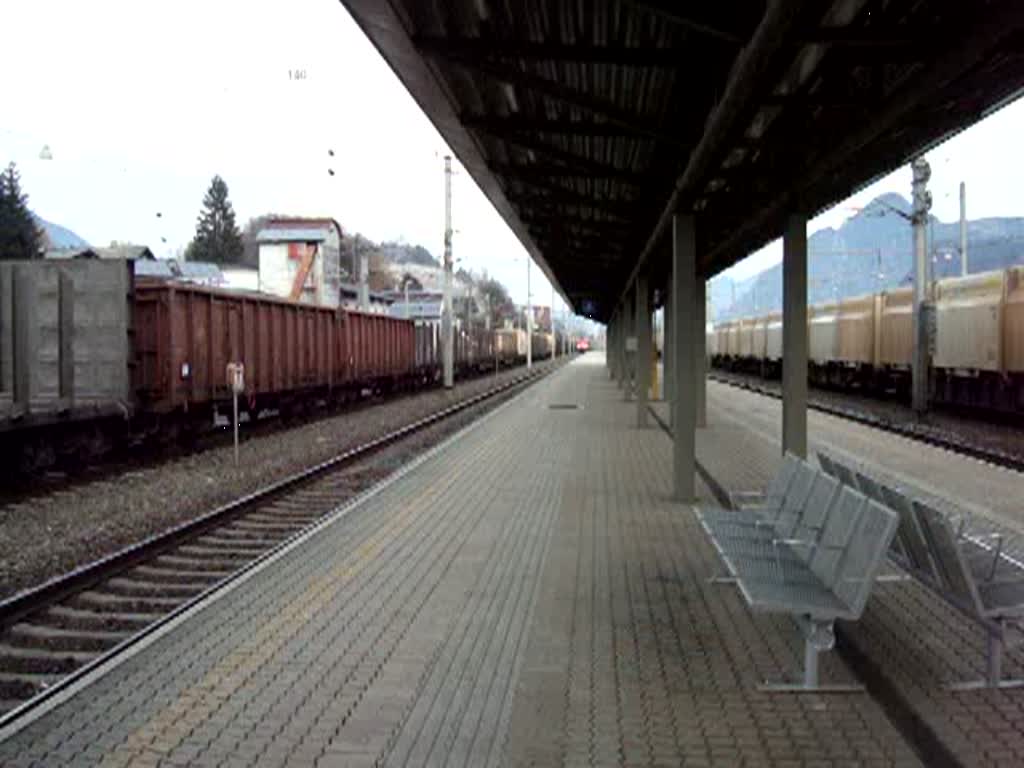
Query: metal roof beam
{"type": "Point", "coordinates": [583, 53]}
{"type": "Point", "coordinates": [497, 125]}
{"type": "Point", "coordinates": [857, 37]}
{"type": "Point", "coordinates": [583, 165]}
{"type": "Point", "coordinates": [621, 212]}
{"type": "Point", "coordinates": [553, 89]}
{"type": "Point", "coordinates": [681, 16]}
{"type": "Point", "coordinates": [554, 171]}
{"type": "Point", "coordinates": [578, 222]}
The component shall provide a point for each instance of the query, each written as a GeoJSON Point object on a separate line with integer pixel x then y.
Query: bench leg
{"type": "Point", "coordinates": [994, 641]}
{"type": "Point", "coordinates": [818, 636]}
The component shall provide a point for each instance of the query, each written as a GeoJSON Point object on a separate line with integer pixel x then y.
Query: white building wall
{"type": "Point", "coordinates": [278, 270]}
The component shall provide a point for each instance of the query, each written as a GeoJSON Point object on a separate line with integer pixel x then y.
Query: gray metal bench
{"type": "Point", "coordinates": [781, 514]}
{"type": "Point", "coordinates": [773, 495]}
{"type": "Point", "coordinates": [971, 572]}
{"type": "Point", "coordinates": [817, 567]}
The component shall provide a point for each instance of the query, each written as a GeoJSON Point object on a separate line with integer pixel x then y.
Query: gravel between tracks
{"type": "Point", "coordinates": [42, 537]}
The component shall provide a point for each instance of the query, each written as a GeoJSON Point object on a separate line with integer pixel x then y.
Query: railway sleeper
{"type": "Point", "coordinates": [71, 617]}
{"type": "Point", "coordinates": [232, 556]}
{"type": "Point", "coordinates": [284, 524]}
{"type": "Point", "coordinates": [200, 564]}
{"type": "Point", "coordinates": [131, 586]}
{"type": "Point", "coordinates": [121, 604]}
{"type": "Point", "coordinates": [32, 635]}
{"type": "Point", "coordinates": [271, 516]}
{"type": "Point", "coordinates": [42, 661]}
{"type": "Point", "coordinates": [256, 546]}
{"type": "Point", "coordinates": [256, 536]}
{"type": "Point", "coordinates": [20, 686]}
{"type": "Point", "coordinates": [156, 573]}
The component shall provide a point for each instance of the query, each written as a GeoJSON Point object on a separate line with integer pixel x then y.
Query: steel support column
{"type": "Point", "coordinates": [668, 360]}
{"type": "Point", "coordinates": [700, 361]}
{"type": "Point", "coordinates": [629, 355]}
{"type": "Point", "coordinates": [794, 336]}
{"type": "Point", "coordinates": [684, 401]}
{"type": "Point", "coordinates": [609, 344]}
{"type": "Point", "coordinates": [644, 348]}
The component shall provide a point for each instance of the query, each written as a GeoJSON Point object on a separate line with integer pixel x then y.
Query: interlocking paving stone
{"type": "Point", "coordinates": [528, 594]}
{"type": "Point", "coordinates": [919, 642]}
{"type": "Point", "coordinates": [635, 659]}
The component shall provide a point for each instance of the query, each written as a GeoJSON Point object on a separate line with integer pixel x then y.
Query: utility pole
{"type": "Point", "coordinates": [963, 229]}
{"type": "Point", "coordinates": [447, 331]}
{"type": "Point", "coordinates": [554, 338]}
{"type": "Point", "coordinates": [529, 319]}
{"type": "Point", "coordinates": [919, 359]}
{"type": "Point", "coordinates": [364, 280]}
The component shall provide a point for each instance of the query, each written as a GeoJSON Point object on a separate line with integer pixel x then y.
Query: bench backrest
{"type": "Point", "coordinates": [844, 474]}
{"type": "Point", "coordinates": [826, 464]}
{"type": "Point", "coordinates": [776, 491]}
{"type": "Point", "coordinates": [793, 504]}
{"type": "Point", "coordinates": [864, 555]}
{"type": "Point", "coordinates": [811, 526]}
{"type": "Point", "coordinates": [839, 528]}
{"type": "Point", "coordinates": [951, 567]}
{"type": "Point", "coordinates": [915, 545]}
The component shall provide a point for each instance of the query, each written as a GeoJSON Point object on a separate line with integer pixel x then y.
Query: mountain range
{"type": "Point", "coordinates": [873, 251]}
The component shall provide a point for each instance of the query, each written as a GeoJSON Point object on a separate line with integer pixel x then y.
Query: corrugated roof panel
{"type": "Point", "coordinates": [305, 235]}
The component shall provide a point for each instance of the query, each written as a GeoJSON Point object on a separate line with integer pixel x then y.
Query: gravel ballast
{"type": "Point", "coordinates": [48, 535]}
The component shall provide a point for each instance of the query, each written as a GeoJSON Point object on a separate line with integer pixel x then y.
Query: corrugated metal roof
{"type": "Point", "coordinates": [590, 124]}
{"type": "Point", "coordinates": [70, 253]}
{"type": "Point", "coordinates": [154, 268]}
{"type": "Point", "coordinates": [124, 252]}
{"type": "Point", "coordinates": [200, 269]}
{"type": "Point", "coordinates": [416, 309]}
{"type": "Point", "coordinates": [304, 235]}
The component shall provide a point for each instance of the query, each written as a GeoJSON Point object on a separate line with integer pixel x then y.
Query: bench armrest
{"type": "Point", "coordinates": [793, 542]}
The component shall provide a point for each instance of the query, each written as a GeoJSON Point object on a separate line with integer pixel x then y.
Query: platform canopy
{"type": "Point", "coordinates": [589, 123]}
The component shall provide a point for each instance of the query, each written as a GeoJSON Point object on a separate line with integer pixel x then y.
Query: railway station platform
{"type": "Point", "coordinates": [525, 594]}
{"type": "Point", "coordinates": [910, 646]}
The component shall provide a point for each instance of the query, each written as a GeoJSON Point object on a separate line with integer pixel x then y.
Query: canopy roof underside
{"type": "Point", "coordinates": [588, 123]}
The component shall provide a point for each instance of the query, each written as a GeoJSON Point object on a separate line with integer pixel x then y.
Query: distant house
{"type": "Point", "coordinates": [425, 306]}
{"type": "Point", "coordinates": [125, 251]}
{"type": "Point", "coordinates": [380, 303]}
{"type": "Point", "coordinates": [70, 253]}
{"type": "Point", "coordinates": [134, 252]}
{"type": "Point", "coordinates": [301, 259]}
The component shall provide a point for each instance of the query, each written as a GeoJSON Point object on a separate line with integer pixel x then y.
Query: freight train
{"type": "Point", "coordinates": [974, 325]}
{"type": "Point", "coordinates": [92, 357]}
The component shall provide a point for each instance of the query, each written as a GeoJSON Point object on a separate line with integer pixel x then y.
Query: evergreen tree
{"type": "Point", "coordinates": [217, 236]}
{"type": "Point", "coordinates": [20, 238]}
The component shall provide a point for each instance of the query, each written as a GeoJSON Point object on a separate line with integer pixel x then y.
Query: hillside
{"type": "Point", "coordinates": [872, 251]}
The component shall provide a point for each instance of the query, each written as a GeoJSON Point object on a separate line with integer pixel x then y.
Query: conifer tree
{"type": "Point", "coordinates": [20, 238]}
{"type": "Point", "coordinates": [218, 238]}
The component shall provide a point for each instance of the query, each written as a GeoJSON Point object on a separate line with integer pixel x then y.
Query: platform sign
{"type": "Point", "coordinates": [236, 381]}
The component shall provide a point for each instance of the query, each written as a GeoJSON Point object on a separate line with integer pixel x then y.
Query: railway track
{"type": "Point", "coordinates": [70, 624]}
{"type": "Point", "coordinates": [913, 430]}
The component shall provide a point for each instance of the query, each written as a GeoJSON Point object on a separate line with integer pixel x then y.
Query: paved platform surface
{"type": "Point", "coordinates": [917, 642]}
{"type": "Point", "coordinates": [526, 595]}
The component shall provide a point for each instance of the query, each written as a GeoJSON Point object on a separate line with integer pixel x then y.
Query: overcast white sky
{"type": "Point", "coordinates": [141, 103]}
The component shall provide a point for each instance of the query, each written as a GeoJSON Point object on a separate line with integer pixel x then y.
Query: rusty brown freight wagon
{"type": "Point", "coordinates": [293, 354]}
